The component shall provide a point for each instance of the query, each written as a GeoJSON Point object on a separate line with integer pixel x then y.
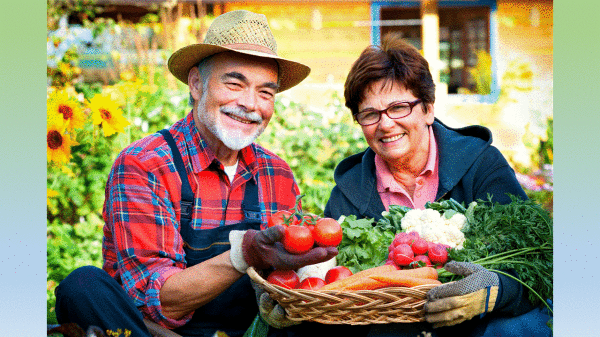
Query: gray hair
{"type": "Point", "coordinates": [205, 69]}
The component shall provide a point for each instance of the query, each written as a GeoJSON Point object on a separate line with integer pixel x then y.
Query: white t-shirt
{"type": "Point", "coordinates": [230, 170]}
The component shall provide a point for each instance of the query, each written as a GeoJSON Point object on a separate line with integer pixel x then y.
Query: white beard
{"type": "Point", "coordinates": [234, 139]}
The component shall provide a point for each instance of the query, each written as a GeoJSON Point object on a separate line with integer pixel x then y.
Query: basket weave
{"type": "Point", "coordinates": [361, 307]}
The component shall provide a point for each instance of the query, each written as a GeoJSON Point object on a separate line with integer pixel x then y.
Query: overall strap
{"type": "Point", "coordinates": [187, 196]}
{"type": "Point", "coordinates": [250, 204]}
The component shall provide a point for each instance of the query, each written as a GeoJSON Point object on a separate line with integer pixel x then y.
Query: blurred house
{"type": "Point", "coordinates": [492, 59]}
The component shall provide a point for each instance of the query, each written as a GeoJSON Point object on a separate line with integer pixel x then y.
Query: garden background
{"type": "Point", "coordinates": [93, 114]}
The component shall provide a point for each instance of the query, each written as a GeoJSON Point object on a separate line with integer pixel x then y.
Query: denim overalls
{"type": "Point", "coordinates": [233, 310]}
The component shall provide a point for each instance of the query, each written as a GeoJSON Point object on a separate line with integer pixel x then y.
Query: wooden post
{"type": "Point", "coordinates": [431, 36]}
{"type": "Point", "coordinates": [431, 52]}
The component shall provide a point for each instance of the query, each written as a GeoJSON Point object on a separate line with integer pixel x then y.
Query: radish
{"type": "Point", "coordinates": [419, 246]}
{"type": "Point", "coordinates": [420, 261]}
{"type": "Point", "coordinates": [403, 255]}
{"type": "Point", "coordinates": [423, 258]}
{"type": "Point", "coordinates": [414, 234]}
{"type": "Point", "coordinates": [438, 254]}
{"type": "Point", "coordinates": [401, 238]}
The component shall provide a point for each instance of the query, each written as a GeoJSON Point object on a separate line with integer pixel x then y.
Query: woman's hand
{"type": "Point", "coordinates": [456, 302]}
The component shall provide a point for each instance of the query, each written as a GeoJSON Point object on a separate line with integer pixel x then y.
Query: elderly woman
{"type": "Point", "coordinates": [414, 158]}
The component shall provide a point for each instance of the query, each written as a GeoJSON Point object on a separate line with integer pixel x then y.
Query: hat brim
{"type": "Point", "coordinates": [290, 72]}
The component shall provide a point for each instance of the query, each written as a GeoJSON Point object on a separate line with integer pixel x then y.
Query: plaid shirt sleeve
{"type": "Point", "coordinates": [142, 246]}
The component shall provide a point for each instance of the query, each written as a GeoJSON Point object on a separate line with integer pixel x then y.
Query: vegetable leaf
{"type": "Point", "coordinates": [361, 246]}
{"type": "Point", "coordinates": [514, 237]}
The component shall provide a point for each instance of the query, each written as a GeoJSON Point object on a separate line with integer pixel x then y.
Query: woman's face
{"type": "Point", "coordinates": [401, 141]}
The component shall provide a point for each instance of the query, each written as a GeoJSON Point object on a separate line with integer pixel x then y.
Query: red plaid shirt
{"type": "Point", "coordinates": [142, 246]}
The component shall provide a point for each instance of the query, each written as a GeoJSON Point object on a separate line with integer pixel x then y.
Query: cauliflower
{"type": "Point", "coordinates": [457, 220]}
{"type": "Point", "coordinates": [421, 217]}
{"type": "Point", "coordinates": [433, 227]}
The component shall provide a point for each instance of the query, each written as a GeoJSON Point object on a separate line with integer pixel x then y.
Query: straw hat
{"type": "Point", "coordinates": [243, 32]}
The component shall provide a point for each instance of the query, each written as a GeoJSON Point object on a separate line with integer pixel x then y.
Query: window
{"type": "Point", "coordinates": [466, 37]}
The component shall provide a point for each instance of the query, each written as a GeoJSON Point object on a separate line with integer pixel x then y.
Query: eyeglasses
{"type": "Point", "coordinates": [394, 111]}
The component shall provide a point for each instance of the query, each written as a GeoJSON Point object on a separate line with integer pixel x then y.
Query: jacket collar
{"type": "Point", "coordinates": [457, 149]}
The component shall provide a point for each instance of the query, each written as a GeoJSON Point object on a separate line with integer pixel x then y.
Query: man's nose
{"type": "Point", "coordinates": [247, 100]}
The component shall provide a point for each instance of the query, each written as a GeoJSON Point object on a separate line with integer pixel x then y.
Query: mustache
{"type": "Point", "coordinates": [241, 112]}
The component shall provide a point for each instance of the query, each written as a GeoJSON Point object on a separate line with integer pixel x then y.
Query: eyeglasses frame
{"type": "Point", "coordinates": [380, 112]}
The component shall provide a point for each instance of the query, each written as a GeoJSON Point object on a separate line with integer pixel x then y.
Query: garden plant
{"type": "Point", "coordinates": [89, 123]}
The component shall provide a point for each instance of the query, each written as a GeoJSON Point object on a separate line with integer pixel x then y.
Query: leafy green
{"type": "Point", "coordinates": [364, 244]}
{"type": "Point", "coordinates": [392, 219]}
{"type": "Point", "coordinates": [516, 237]}
{"type": "Point", "coordinates": [513, 237]}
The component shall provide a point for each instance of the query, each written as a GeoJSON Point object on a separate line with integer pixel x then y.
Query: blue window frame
{"type": "Point", "coordinates": [377, 25]}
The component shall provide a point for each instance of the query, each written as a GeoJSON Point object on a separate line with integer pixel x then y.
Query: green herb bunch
{"type": "Point", "coordinates": [513, 237]}
{"type": "Point", "coordinates": [363, 245]}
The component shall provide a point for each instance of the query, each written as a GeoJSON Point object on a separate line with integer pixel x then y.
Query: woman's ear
{"type": "Point", "coordinates": [429, 115]}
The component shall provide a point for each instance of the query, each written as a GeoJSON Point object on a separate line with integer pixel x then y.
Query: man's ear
{"type": "Point", "coordinates": [195, 83]}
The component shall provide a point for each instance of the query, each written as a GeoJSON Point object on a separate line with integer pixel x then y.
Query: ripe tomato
{"type": "Point", "coordinates": [280, 218]}
{"type": "Point", "coordinates": [311, 283]}
{"type": "Point", "coordinates": [284, 278]}
{"type": "Point", "coordinates": [328, 232]}
{"type": "Point", "coordinates": [337, 273]}
{"type": "Point", "coordinates": [297, 239]}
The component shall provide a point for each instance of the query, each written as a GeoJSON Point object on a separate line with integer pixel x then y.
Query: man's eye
{"type": "Point", "coordinates": [267, 94]}
{"type": "Point", "coordinates": [234, 84]}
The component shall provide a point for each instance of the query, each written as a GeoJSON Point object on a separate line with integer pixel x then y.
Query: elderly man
{"type": "Point", "coordinates": [186, 208]}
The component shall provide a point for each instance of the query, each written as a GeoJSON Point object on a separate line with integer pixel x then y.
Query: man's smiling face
{"type": "Point", "coordinates": [238, 100]}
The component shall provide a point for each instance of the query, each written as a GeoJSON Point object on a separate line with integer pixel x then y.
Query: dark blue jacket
{"type": "Point", "coordinates": [470, 168]}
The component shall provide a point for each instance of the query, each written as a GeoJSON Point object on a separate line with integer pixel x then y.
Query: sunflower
{"type": "Point", "coordinates": [60, 104]}
{"type": "Point", "coordinates": [106, 112]}
{"type": "Point", "coordinates": [58, 144]}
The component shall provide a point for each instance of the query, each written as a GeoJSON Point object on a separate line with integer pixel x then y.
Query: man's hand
{"type": "Point", "coordinates": [271, 311]}
{"type": "Point", "coordinates": [262, 249]}
{"type": "Point", "coordinates": [456, 302]}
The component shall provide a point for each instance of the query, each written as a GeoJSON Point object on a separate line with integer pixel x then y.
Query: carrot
{"type": "Point", "coordinates": [361, 275]}
{"type": "Point", "coordinates": [385, 276]}
{"type": "Point", "coordinates": [407, 277]}
{"type": "Point", "coordinates": [399, 280]}
{"type": "Point", "coordinates": [365, 283]}
{"type": "Point", "coordinates": [422, 272]}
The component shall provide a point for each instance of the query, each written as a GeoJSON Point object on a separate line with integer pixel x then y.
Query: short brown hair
{"type": "Point", "coordinates": [396, 60]}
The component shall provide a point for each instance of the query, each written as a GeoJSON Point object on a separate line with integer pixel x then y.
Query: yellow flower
{"type": "Point", "coordinates": [60, 104]}
{"type": "Point", "coordinates": [106, 112]}
{"type": "Point", "coordinates": [127, 75]}
{"type": "Point", "coordinates": [49, 195]}
{"type": "Point", "coordinates": [58, 144]}
{"type": "Point", "coordinates": [66, 170]}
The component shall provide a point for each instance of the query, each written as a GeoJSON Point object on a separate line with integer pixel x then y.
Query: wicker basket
{"type": "Point", "coordinates": [386, 305]}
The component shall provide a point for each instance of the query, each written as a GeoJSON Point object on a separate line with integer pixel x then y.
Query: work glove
{"type": "Point", "coordinates": [456, 302]}
{"type": "Point", "coordinates": [270, 310]}
{"type": "Point", "coordinates": [263, 249]}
